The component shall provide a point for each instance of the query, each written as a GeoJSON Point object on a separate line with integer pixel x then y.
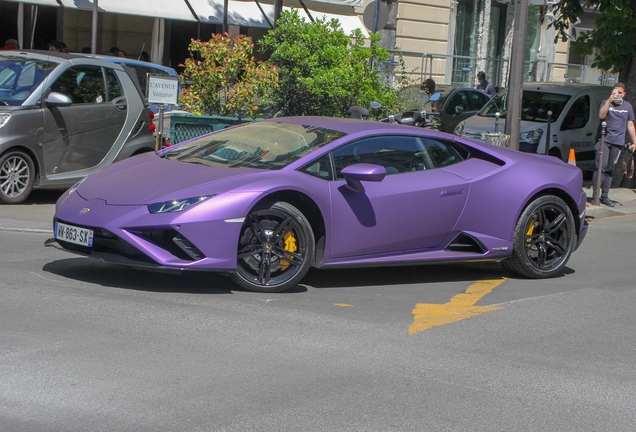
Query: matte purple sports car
{"type": "Point", "coordinates": [265, 201]}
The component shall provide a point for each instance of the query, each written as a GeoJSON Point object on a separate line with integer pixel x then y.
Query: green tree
{"type": "Point", "coordinates": [322, 70]}
{"type": "Point", "coordinates": [223, 77]}
{"type": "Point", "coordinates": [614, 35]}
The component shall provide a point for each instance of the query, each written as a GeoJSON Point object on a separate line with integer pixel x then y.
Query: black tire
{"type": "Point", "coordinates": [17, 175]}
{"type": "Point", "coordinates": [544, 239]}
{"type": "Point", "coordinates": [275, 249]}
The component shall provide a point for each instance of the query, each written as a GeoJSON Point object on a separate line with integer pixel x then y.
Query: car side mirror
{"type": "Point", "coordinates": [355, 174]}
{"type": "Point", "coordinates": [459, 109]}
{"type": "Point", "coordinates": [56, 99]}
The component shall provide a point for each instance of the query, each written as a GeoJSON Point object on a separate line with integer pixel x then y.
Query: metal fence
{"type": "Point", "coordinates": [461, 71]}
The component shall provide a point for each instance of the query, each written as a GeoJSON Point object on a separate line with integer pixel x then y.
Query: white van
{"type": "Point", "coordinates": [573, 123]}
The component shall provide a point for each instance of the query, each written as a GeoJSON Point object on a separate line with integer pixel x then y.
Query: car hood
{"type": "Point", "coordinates": [148, 178]}
{"type": "Point", "coordinates": [476, 125]}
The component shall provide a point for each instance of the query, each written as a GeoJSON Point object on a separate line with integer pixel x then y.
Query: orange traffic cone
{"type": "Point", "coordinates": [572, 157]}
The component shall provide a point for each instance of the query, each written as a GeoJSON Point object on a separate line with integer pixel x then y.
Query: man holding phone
{"type": "Point", "coordinates": [618, 114]}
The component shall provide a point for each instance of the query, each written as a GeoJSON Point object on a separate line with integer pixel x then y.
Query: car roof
{"type": "Point", "coordinates": [563, 88]}
{"type": "Point", "coordinates": [352, 126]}
{"type": "Point", "coordinates": [123, 60]}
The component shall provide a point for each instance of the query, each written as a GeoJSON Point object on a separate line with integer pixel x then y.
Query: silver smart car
{"type": "Point", "coordinates": [63, 117]}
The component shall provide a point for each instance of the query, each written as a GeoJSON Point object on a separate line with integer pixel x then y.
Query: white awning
{"type": "Point", "coordinates": [37, 2]}
{"type": "Point", "coordinates": [247, 13]}
{"type": "Point", "coordinates": [169, 9]}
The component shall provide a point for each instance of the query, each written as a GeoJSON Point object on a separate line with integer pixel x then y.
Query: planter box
{"type": "Point", "coordinates": [187, 126]}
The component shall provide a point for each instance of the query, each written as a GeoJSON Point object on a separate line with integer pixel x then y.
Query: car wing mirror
{"type": "Point", "coordinates": [459, 109]}
{"type": "Point", "coordinates": [357, 173]}
{"type": "Point", "coordinates": [56, 99]}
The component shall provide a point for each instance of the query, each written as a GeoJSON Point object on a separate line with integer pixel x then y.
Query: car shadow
{"type": "Point", "coordinates": [193, 282]}
{"type": "Point", "coordinates": [402, 275]}
{"type": "Point", "coordinates": [43, 196]}
{"type": "Point", "coordinates": [121, 277]}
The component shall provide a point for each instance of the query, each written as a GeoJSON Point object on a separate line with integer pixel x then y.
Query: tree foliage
{"type": "Point", "coordinates": [223, 77]}
{"type": "Point", "coordinates": [614, 35]}
{"type": "Point", "coordinates": [323, 71]}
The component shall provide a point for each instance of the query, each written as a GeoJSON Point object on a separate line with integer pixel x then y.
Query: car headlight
{"type": "Point", "coordinates": [4, 119]}
{"type": "Point", "coordinates": [76, 186]}
{"type": "Point", "coordinates": [459, 129]}
{"type": "Point", "coordinates": [176, 205]}
{"type": "Point", "coordinates": [531, 136]}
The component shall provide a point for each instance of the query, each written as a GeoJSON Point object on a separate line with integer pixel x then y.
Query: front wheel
{"type": "Point", "coordinates": [544, 239]}
{"type": "Point", "coordinates": [275, 249]}
{"type": "Point", "coordinates": [16, 177]}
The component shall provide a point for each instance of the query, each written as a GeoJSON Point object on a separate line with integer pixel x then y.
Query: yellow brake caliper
{"type": "Point", "coordinates": [290, 245]}
{"type": "Point", "coordinates": [530, 231]}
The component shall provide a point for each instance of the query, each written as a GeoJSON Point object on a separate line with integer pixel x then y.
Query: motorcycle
{"type": "Point", "coordinates": [417, 117]}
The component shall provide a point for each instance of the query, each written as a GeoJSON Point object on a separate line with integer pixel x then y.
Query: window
{"type": "Point", "coordinates": [578, 115]}
{"type": "Point", "coordinates": [440, 153]}
{"type": "Point", "coordinates": [83, 84]}
{"type": "Point", "coordinates": [320, 168]}
{"type": "Point", "coordinates": [478, 100]}
{"type": "Point", "coordinates": [398, 154]}
{"type": "Point", "coordinates": [458, 99]}
{"type": "Point", "coordinates": [114, 86]}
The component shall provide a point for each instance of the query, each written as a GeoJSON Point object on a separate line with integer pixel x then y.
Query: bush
{"type": "Point", "coordinates": [224, 78]}
{"type": "Point", "coordinates": [322, 71]}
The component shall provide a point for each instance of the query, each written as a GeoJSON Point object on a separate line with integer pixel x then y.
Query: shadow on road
{"type": "Point", "coordinates": [43, 197]}
{"type": "Point", "coordinates": [96, 272]}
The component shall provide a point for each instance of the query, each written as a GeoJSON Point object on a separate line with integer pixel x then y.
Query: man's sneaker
{"type": "Point", "coordinates": [608, 202]}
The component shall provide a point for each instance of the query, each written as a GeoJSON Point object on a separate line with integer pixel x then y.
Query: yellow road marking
{"type": "Point", "coordinates": [342, 304]}
{"type": "Point", "coordinates": [460, 307]}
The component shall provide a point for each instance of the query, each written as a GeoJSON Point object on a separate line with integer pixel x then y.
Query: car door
{"type": "Point", "coordinates": [80, 135]}
{"type": "Point", "coordinates": [579, 127]}
{"type": "Point", "coordinates": [413, 207]}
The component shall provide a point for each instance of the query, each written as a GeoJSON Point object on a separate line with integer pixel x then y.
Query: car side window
{"type": "Point", "coordinates": [114, 86]}
{"type": "Point", "coordinates": [320, 168]}
{"type": "Point", "coordinates": [458, 99]}
{"type": "Point", "coordinates": [398, 154]}
{"type": "Point", "coordinates": [578, 115]}
{"type": "Point", "coordinates": [478, 100]}
{"type": "Point", "coordinates": [83, 84]}
{"type": "Point", "coordinates": [440, 153]}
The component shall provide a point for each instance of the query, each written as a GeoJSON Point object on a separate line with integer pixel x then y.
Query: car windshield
{"type": "Point", "coordinates": [20, 76]}
{"type": "Point", "coordinates": [264, 145]}
{"type": "Point", "coordinates": [535, 105]}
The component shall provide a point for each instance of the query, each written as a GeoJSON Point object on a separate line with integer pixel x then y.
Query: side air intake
{"type": "Point", "coordinates": [466, 243]}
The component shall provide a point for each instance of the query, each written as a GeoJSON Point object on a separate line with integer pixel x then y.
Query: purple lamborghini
{"type": "Point", "coordinates": [266, 201]}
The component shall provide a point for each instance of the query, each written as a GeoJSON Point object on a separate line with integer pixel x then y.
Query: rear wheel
{"type": "Point", "coordinates": [275, 249]}
{"type": "Point", "coordinates": [16, 177]}
{"type": "Point", "coordinates": [544, 239]}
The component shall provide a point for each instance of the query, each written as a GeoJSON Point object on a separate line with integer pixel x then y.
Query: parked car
{"type": "Point", "coordinates": [453, 106]}
{"type": "Point", "coordinates": [458, 105]}
{"type": "Point", "coordinates": [573, 121]}
{"type": "Point", "coordinates": [143, 69]}
{"type": "Point", "coordinates": [265, 201]}
{"type": "Point", "coordinates": [63, 117]}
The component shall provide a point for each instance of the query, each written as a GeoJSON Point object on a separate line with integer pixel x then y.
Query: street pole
{"type": "Point", "coordinates": [515, 91]}
{"type": "Point", "coordinates": [596, 196]}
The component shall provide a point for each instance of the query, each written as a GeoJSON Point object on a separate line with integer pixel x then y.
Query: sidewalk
{"type": "Point", "coordinates": [625, 200]}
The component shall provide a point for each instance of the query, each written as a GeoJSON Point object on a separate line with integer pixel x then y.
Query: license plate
{"type": "Point", "coordinates": [73, 234]}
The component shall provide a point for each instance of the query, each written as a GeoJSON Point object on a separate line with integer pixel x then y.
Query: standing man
{"type": "Point", "coordinates": [484, 85]}
{"type": "Point", "coordinates": [618, 114]}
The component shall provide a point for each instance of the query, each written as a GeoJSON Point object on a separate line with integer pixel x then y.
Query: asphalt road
{"type": "Point", "coordinates": [87, 346]}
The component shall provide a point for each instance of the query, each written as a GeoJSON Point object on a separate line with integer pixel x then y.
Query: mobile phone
{"type": "Point", "coordinates": [615, 91]}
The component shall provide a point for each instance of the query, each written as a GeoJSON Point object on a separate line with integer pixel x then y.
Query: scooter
{"type": "Point", "coordinates": [417, 118]}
